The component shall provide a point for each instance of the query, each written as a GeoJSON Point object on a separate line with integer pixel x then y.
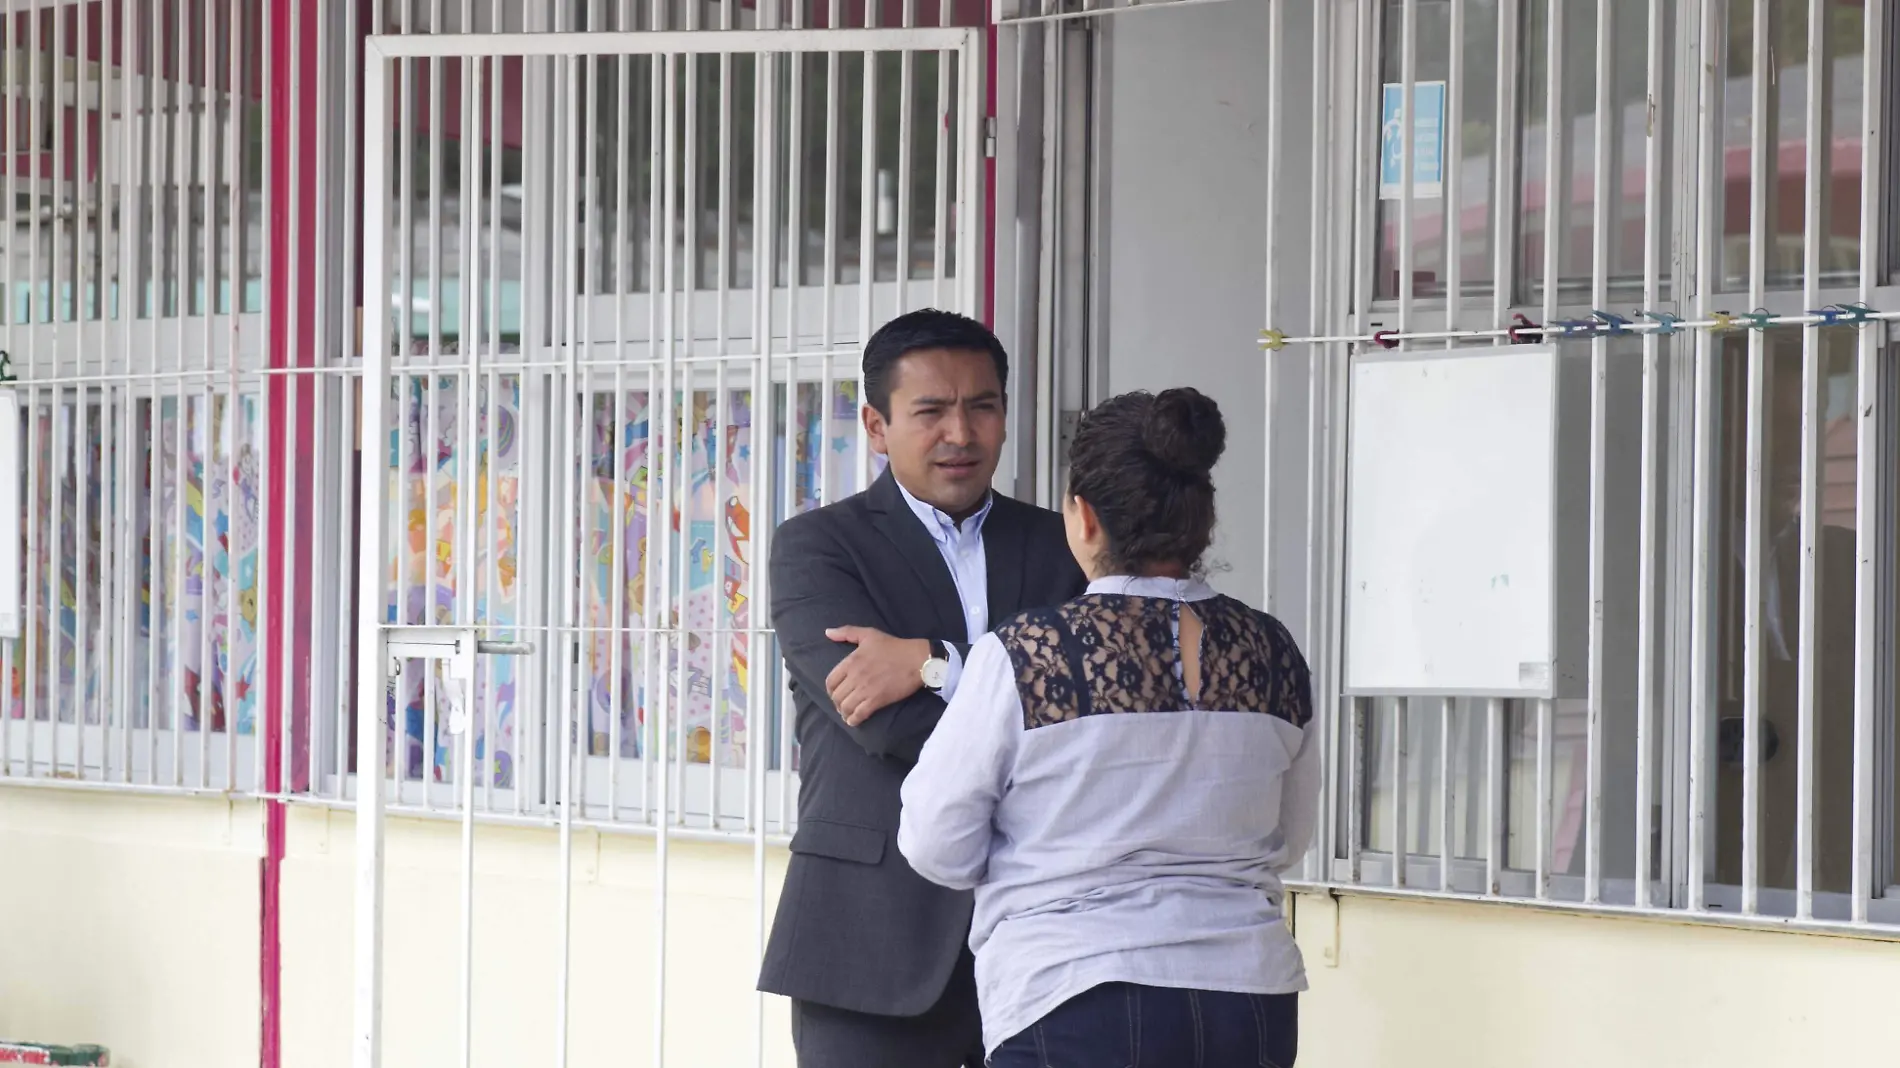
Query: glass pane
{"type": "Point", "coordinates": [1629, 171]}
{"type": "Point", "coordinates": [1382, 713]}
{"type": "Point", "coordinates": [1472, 135]}
{"type": "Point", "coordinates": [1580, 189]}
{"type": "Point", "coordinates": [913, 174]}
{"type": "Point", "coordinates": [1788, 135]}
{"type": "Point", "coordinates": [427, 187]}
{"type": "Point", "coordinates": [621, 150]}
{"type": "Point", "coordinates": [849, 209]}
{"type": "Point", "coordinates": [1621, 607]}
{"type": "Point", "coordinates": [1469, 747]}
{"type": "Point", "coordinates": [1891, 617]}
{"type": "Point", "coordinates": [192, 178]}
{"type": "Point", "coordinates": [1572, 221]}
{"type": "Point", "coordinates": [1780, 591]}
{"type": "Point", "coordinates": [1520, 785]}
{"type": "Point", "coordinates": [1566, 794]}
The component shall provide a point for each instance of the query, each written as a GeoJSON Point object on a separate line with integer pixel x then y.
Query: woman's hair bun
{"type": "Point", "coordinates": [1184, 431]}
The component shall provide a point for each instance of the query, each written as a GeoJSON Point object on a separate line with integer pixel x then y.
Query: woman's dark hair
{"type": "Point", "coordinates": [920, 330]}
{"type": "Point", "coordinates": [1144, 462]}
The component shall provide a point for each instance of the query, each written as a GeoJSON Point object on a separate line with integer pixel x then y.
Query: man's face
{"type": "Point", "coordinates": [946, 427]}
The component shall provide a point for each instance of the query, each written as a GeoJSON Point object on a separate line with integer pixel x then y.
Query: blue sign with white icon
{"type": "Point", "coordinates": [1428, 141]}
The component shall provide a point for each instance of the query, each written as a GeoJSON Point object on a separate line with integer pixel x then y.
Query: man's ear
{"type": "Point", "coordinates": [874, 426]}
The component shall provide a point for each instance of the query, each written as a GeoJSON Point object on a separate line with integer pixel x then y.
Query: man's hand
{"type": "Point", "coordinates": [883, 671]}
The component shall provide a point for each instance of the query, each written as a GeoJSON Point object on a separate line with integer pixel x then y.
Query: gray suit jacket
{"type": "Point", "coordinates": [857, 929]}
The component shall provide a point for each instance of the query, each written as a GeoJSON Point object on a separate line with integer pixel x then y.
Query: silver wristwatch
{"type": "Point", "coordinates": [936, 670]}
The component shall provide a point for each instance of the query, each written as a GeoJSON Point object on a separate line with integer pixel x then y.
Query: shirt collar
{"type": "Point", "coordinates": [939, 523]}
{"type": "Point", "coordinates": [1171, 589]}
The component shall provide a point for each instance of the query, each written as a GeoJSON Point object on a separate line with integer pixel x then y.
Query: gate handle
{"type": "Point", "coordinates": [505, 648]}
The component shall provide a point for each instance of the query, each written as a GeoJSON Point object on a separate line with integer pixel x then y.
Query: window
{"type": "Point", "coordinates": [1576, 189]}
{"type": "Point", "coordinates": [1473, 137]}
{"type": "Point", "coordinates": [599, 486]}
{"type": "Point", "coordinates": [1843, 92]}
{"type": "Point", "coordinates": [133, 266]}
{"type": "Point", "coordinates": [1537, 788]}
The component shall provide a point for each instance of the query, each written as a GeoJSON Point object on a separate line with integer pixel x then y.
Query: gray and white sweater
{"type": "Point", "coordinates": [1113, 828]}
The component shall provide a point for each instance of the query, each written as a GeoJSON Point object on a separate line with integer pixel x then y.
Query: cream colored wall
{"type": "Point", "coordinates": [132, 921]}
{"type": "Point", "coordinates": [710, 945]}
{"type": "Point", "coordinates": [1424, 984]}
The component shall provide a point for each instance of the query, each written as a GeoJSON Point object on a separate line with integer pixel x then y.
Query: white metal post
{"type": "Point", "coordinates": [1870, 523]}
{"type": "Point", "coordinates": [1753, 638]}
{"type": "Point", "coordinates": [371, 689]}
{"type": "Point", "coordinates": [1813, 379]}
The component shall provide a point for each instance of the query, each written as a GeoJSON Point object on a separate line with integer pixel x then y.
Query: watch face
{"type": "Point", "coordinates": [936, 673]}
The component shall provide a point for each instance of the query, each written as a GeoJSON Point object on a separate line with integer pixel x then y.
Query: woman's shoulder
{"type": "Point", "coordinates": [1244, 618]}
{"type": "Point", "coordinates": [1036, 625]}
{"type": "Point", "coordinates": [1251, 660]}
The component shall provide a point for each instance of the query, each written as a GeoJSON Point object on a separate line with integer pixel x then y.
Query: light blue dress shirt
{"type": "Point", "coordinates": [961, 546]}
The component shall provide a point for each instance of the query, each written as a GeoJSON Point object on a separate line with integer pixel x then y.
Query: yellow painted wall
{"type": "Point", "coordinates": [1474, 986]}
{"type": "Point", "coordinates": [711, 947]}
{"type": "Point", "coordinates": [132, 921]}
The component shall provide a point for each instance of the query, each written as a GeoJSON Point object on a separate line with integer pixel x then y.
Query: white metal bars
{"type": "Point", "coordinates": [133, 282]}
{"type": "Point", "coordinates": [809, 338]}
{"type": "Point", "coordinates": [1017, 12]}
{"type": "Point", "coordinates": [1873, 538]}
{"type": "Point", "coordinates": [708, 337]}
{"type": "Point", "coordinates": [1618, 789]}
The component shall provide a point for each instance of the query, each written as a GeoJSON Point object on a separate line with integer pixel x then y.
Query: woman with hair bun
{"type": "Point", "coordinates": [1122, 780]}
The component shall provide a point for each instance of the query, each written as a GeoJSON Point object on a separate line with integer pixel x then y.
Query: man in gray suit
{"type": "Point", "coordinates": [876, 600]}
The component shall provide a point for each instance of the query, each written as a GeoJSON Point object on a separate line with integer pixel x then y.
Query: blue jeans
{"type": "Point", "coordinates": [1120, 1025]}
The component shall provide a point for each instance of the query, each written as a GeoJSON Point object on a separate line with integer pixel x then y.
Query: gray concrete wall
{"type": "Point", "coordinates": [1186, 158]}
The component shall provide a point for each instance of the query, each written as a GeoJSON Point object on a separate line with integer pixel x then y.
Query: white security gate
{"type": "Point", "coordinates": [622, 344]}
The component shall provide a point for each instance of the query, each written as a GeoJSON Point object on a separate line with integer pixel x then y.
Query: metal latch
{"type": "Point", "coordinates": [458, 648]}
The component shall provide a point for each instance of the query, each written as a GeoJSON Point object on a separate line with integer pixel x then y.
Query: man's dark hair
{"type": "Point", "coordinates": [917, 331]}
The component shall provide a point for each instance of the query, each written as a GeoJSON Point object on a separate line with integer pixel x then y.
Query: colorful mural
{"type": "Point", "coordinates": [425, 576]}
{"type": "Point", "coordinates": [710, 527]}
{"type": "Point", "coordinates": [196, 532]}
{"type": "Point", "coordinates": [195, 486]}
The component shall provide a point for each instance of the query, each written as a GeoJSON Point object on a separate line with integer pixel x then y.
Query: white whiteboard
{"type": "Point", "coordinates": [1451, 524]}
{"type": "Point", "coordinates": [12, 460]}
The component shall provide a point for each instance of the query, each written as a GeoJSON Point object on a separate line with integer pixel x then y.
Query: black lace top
{"type": "Point", "coordinates": [1107, 654]}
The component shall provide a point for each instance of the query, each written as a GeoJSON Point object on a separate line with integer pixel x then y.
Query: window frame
{"type": "Point", "coordinates": [1348, 865]}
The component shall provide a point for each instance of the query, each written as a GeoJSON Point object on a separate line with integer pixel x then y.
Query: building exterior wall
{"type": "Point", "coordinates": [1185, 285]}
{"type": "Point", "coordinates": [710, 950]}
{"type": "Point", "coordinates": [1480, 985]}
{"type": "Point", "coordinates": [133, 920]}
{"type": "Point", "coordinates": [128, 923]}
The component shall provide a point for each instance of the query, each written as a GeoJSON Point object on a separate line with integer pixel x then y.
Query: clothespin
{"type": "Point", "coordinates": [1724, 322]}
{"type": "Point", "coordinates": [6, 367]}
{"type": "Point", "coordinates": [1757, 319]}
{"type": "Point", "coordinates": [1666, 324]}
{"type": "Point", "coordinates": [1856, 314]}
{"type": "Point", "coordinates": [1385, 340]}
{"type": "Point", "coordinates": [1614, 325]}
{"type": "Point", "coordinates": [1521, 326]}
{"type": "Point", "coordinates": [1575, 327]}
{"type": "Point", "coordinates": [1830, 315]}
{"type": "Point", "coordinates": [1272, 340]}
